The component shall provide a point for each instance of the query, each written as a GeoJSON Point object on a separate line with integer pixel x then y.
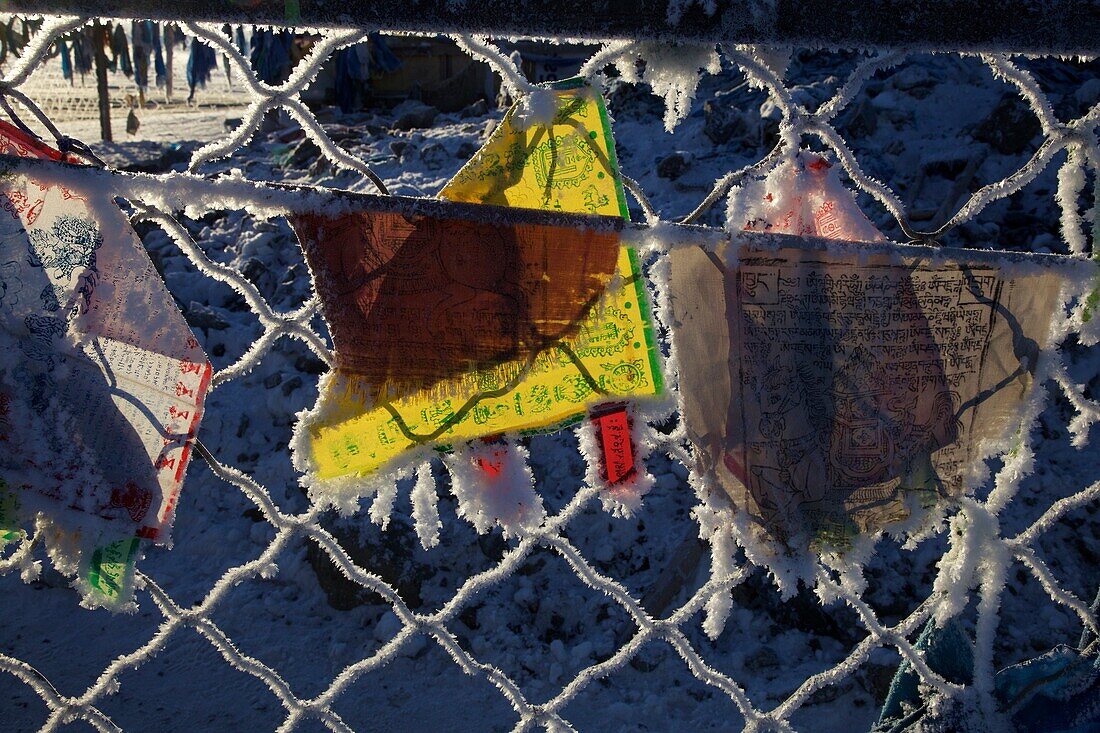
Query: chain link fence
{"type": "Point", "coordinates": [1015, 543]}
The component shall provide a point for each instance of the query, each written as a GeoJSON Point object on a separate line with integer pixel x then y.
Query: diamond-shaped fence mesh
{"type": "Point", "coordinates": [446, 609]}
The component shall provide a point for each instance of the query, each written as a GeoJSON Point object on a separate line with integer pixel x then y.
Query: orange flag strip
{"type": "Point", "coordinates": [412, 301]}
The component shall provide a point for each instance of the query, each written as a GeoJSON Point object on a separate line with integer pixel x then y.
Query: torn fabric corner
{"type": "Point", "coordinates": [510, 370]}
{"type": "Point", "coordinates": [803, 196]}
{"type": "Point", "coordinates": [834, 390]}
{"type": "Point", "coordinates": [102, 382]}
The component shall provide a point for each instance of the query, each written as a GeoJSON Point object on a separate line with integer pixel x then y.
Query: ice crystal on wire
{"type": "Point", "coordinates": [673, 71]}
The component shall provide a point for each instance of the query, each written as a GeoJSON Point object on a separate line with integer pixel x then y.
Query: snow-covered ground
{"type": "Point", "coordinates": [915, 128]}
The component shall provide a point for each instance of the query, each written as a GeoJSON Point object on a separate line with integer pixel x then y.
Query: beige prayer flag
{"type": "Point", "coordinates": [832, 390]}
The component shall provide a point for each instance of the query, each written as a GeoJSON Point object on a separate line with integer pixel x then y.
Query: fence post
{"type": "Point", "coordinates": [169, 41]}
{"type": "Point", "coordinates": [99, 42]}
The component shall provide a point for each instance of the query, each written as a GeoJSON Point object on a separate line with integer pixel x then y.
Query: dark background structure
{"type": "Point", "coordinates": [1069, 27]}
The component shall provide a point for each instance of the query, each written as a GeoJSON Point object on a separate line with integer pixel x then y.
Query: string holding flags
{"type": "Point", "coordinates": [102, 383]}
{"type": "Point", "coordinates": [474, 330]}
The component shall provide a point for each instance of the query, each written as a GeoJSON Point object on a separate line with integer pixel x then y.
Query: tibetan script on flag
{"type": "Point", "coordinates": [832, 391]}
{"type": "Point", "coordinates": [566, 166]}
{"type": "Point", "coordinates": [102, 383]}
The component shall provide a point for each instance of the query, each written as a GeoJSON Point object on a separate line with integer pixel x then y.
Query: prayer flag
{"type": "Point", "coordinates": [833, 389]}
{"type": "Point", "coordinates": [554, 372]}
{"type": "Point", "coordinates": [102, 382]}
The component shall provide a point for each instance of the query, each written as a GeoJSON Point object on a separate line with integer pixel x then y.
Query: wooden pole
{"type": "Point", "coordinates": [99, 42]}
{"type": "Point", "coordinates": [169, 41]}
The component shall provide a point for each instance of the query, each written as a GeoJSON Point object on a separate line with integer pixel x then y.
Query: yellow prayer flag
{"type": "Point", "coordinates": [567, 166]}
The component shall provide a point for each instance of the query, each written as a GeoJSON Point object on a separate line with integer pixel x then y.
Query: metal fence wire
{"type": "Point", "coordinates": [975, 525]}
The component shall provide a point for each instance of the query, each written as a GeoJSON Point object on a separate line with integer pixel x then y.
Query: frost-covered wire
{"type": "Point", "coordinates": [266, 98]}
{"type": "Point", "coordinates": [510, 74]}
{"type": "Point", "coordinates": [295, 323]}
{"type": "Point", "coordinates": [635, 190]}
{"type": "Point", "coordinates": [608, 54]}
